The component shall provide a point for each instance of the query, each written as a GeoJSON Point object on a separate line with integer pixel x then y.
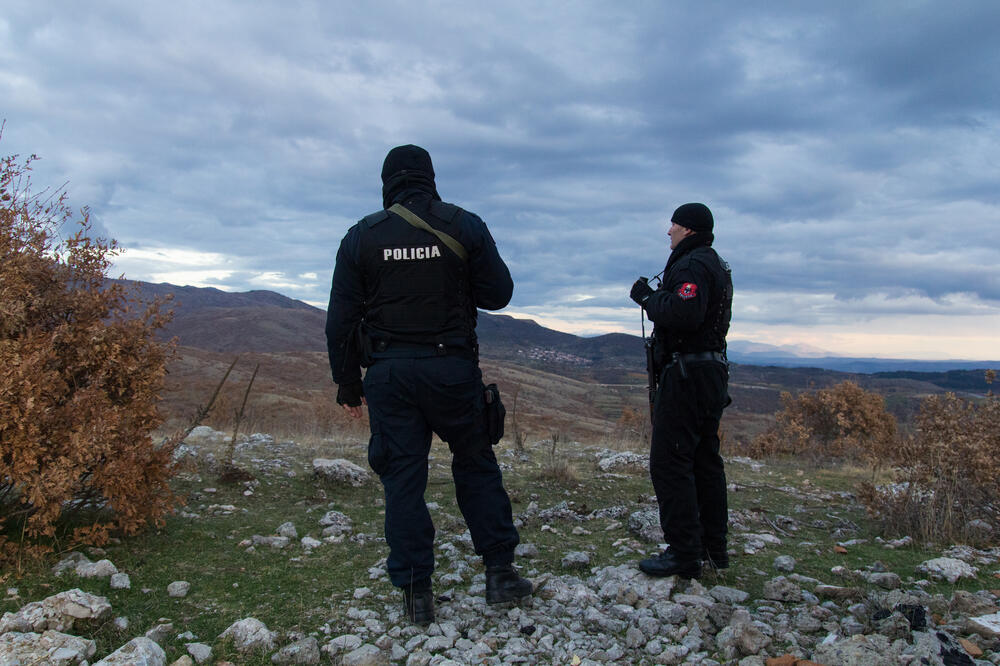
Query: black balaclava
{"type": "Point", "coordinates": [407, 168]}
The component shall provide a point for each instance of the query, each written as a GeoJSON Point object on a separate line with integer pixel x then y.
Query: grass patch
{"type": "Point", "coordinates": [295, 592]}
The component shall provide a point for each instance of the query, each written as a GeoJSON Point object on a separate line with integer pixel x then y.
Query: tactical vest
{"type": "Point", "coordinates": [711, 335]}
{"type": "Point", "coordinates": [417, 290]}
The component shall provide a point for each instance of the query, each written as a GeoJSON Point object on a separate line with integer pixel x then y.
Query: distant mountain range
{"type": "Point", "coordinates": [265, 321]}
{"type": "Point", "coordinates": [802, 356]}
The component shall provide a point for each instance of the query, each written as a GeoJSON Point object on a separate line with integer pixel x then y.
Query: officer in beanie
{"type": "Point", "coordinates": [690, 312]}
{"type": "Point", "coordinates": [403, 304]}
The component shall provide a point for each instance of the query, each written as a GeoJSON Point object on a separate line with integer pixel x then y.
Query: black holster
{"type": "Point", "coordinates": [363, 344]}
{"type": "Point", "coordinates": [495, 413]}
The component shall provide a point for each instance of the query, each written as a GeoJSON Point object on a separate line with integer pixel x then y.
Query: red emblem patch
{"type": "Point", "coordinates": [688, 290]}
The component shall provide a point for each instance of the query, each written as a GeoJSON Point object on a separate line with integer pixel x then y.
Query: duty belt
{"type": "Point", "coordinates": [682, 359]}
{"type": "Point", "coordinates": [691, 357]}
{"type": "Point", "coordinates": [398, 349]}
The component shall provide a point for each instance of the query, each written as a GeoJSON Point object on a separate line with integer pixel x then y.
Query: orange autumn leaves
{"type": "Point", "coordinates": [80, 374]}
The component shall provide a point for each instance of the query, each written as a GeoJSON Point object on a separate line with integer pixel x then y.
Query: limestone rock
{"type": "Point", "coordinates": [49, 647]}
{"type": "Point", "coordinates": [856, 651]}
{"type": "Point", "coordinates": [623, 584]}
{"type": "Point", "coordinates": [645, 525]}
{"type": "Point", "coordinates": [782, 589]}
{"type": "Point", "coordinates": [894, 627]}
{"type": "Point", "coordinates": [304, 651]}
{"type": "Point", "coordinates": [121, 581]}
{"type": "Point", "coordinates": [885, 579]}
{"type": "Point", "coordinates": [99, 569]}
{"type": "Point", "coordinates": [335, 523]}
{"type": "Point", "coordinates": [728, 595]}
{"type": "Point", "coordinates": [161, 631]}
{"type": "Point", "coordinates": [206, 432]}
{"type": "Point", "coordinates": [200, 652]}
{"type": "Point", "coordinates": [276, 542]}
{"type": "Point", "coordinates": [341, 644]}
{"type": "Point", "coordinates": [366, 655]}
{"type": "Point", "coordinates": [137, 652]}
{"type": "Point", "coordinates": [967, 603]}
{"type": "Point", "coordinates": [70, 562]}
{"type": "Point", "coordinates": [60, 612]}
{"type": "Point", "coordinates": [947, 568]}
{"type": "Point", "coordinates": [576, 560]}
{"type": "Point", "coordinates": [287, 529]}
{"type": "Point", "coordinates": [250, 634]}
{"type": "Point", "coordinates": [742, 637]}
{"type": "Point", "coordinates": [178, 588]}
{"type": "Point", "coordinates": [836, 592]}
{"type": "Point", "coordinates": [937, 647]}
{"type": "Point", "coordinates": [785, 563]}
{"type": "Point", "coordinates": [340, 470]}
{"type": "Point", "coordinates": [985, 625]}
{"type": "Point", "coordinates": [623, 460]}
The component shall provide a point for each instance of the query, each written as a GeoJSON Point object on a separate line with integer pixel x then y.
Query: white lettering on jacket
{"type": "Point", "coordinates": [410, 253]}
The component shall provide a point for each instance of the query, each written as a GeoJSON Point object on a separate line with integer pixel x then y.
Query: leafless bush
{"type": "Point", "coordinates": [520, 436]}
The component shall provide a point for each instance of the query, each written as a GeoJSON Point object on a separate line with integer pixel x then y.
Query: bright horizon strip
{"type": "Point", "coordinates": [932, 337]}
{"type": "Point", "coordinates": [843, 340]}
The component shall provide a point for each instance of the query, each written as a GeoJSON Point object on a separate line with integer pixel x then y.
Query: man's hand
{"type": "Point", "coordinates": [641, 291]}
{"type": "Point", "coordinates": [351, 396]}
{"type": "Point", "coordinates": [355, 411]}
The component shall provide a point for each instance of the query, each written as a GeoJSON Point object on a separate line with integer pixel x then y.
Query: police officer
{"type": "Point", "coordinates": [403, 303]}
{"type": "Point", "coordinates": [690, 312]}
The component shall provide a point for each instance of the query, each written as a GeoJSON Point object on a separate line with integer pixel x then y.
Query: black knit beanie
{"type": "Point", "coordinates": [694, 216]}
{"type": "Point", "coordinates": [407, 158]}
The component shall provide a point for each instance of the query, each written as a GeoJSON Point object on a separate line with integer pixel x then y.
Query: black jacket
{"type": "Point", "coordinates": [407, 285]}
{"type": "Point", "coordinates": [693, 306]}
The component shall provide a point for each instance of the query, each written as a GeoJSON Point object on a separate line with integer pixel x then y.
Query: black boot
{"type": "Point", "coordinates": [418, 601]}
{"type": "Point", "coordinates": [669, 563]}
{"type": "Point", "coordinates": [504, 584]}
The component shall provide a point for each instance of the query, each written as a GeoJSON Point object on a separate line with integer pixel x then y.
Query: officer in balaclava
{"type": "Point", "coordinates": [406, 286]}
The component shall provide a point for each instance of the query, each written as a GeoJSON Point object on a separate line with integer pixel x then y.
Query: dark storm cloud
{"type": "Point", "coordinates": [846, 149]}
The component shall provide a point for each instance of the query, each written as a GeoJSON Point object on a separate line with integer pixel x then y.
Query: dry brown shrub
{"type": "Point", "coordinates": [632, 429]}
{"type": "Point", "coordinates": [843, 422]}
{"type": "Point", "coordinates": [80, 372]}
{"type": "Point", "coordinates": [951, 475]}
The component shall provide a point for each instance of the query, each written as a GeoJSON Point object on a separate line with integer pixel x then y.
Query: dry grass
{"type": "Point", "coordinates": [557, 466]}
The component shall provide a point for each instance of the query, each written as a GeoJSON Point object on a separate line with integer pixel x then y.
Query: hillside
{"type": "Point", "coordinates": [565, 382]}
{"type": "Point", "coordinates": [253, 321]}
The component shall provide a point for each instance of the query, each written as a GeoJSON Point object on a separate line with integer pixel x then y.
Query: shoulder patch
{"type": "Point", "coordinates": [687, 290]}
{"type": "Point", "coordinates": [445, 211]}
{"type": "Point", "coordinates": [375, 218]}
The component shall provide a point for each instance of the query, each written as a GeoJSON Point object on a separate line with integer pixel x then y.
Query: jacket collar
{"type": "Point", "coordinates": [699, 239]}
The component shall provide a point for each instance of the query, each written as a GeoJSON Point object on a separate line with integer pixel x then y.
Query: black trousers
{"type": "Point", "coordinates": [408, 400]}
{"type": "Point", "coordinates": [684, 461]}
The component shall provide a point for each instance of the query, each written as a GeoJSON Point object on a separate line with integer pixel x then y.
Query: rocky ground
{"type": "Point", "coordinates": [582, 613]}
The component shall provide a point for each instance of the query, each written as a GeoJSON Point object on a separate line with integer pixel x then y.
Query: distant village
{"type": "Point", "coordinates": [553, 356]}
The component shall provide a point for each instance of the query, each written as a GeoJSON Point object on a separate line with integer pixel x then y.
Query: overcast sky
{"type": "Point", "coordinates": [849, 150]}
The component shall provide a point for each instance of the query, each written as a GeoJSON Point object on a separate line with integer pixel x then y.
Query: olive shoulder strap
{"type": "Point", "coordinates": [416, 221]}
